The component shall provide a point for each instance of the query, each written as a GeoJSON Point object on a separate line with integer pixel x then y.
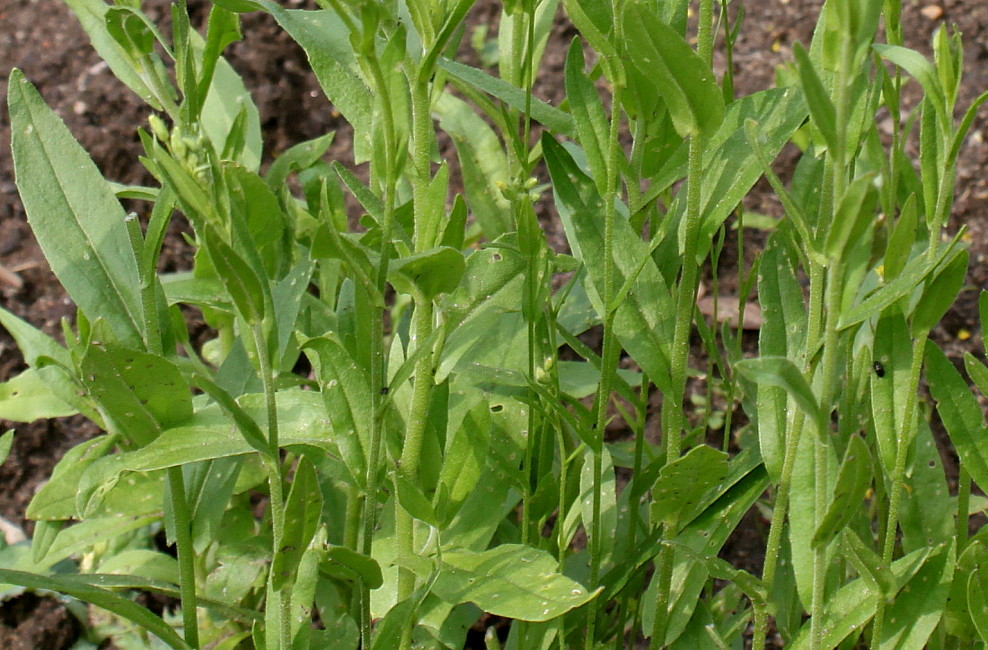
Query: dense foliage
{"type": "Point", "coordinates": [399, 427]}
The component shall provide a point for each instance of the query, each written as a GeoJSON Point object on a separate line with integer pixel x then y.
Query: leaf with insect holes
{"type": "Point", "coordinates": [891, 389]}
{"type": "Point", "coordinates": [510, 580]}
{"type": "Point", "coordinates": [6, 441]}
{"type": "Point", "coordinates": [141, 393]}
{"type": "Point", "coordinates": [74, 215]}
{"type": "Point", "coordinates": [853, 605]}
{"type": "Point", "coordinates": [923, 519]}
{"type": "Point", "coordinates": [28, 396]}
{"type": "Point", "coordinates": [684, 480]}
{"type": "Point", "coordinates": [918, 608]}
{"type": "Point", "coordinates": [960, 413]}
{"type": "Point", "coordinates": [685, 81]}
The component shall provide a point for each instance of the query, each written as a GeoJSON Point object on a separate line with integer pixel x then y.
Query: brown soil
{"type": "Point", "coordinates": [43, 39]}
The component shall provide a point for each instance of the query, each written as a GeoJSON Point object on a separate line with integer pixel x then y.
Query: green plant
{"type": "Point", "coordinates": [442, 455]}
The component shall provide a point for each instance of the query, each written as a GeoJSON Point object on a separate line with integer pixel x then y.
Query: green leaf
{"type": "Point", "coordinates": [29, 396]}
{"type": "Point", "coordinates": [868, 563]}
{"type": "Point", "coordinates": [345, 391]}
{"type": "Point", "coordinates": [207, 435]}
{"type": "Point", "coordinates": [855, 212]}
{"type": "Point", "coordinates": [92, 16]}
{"type": "Point", "coordinates": [365, 567]}
{"type": "Point", "coordinates": [685, 82]}
{"type": "Point", "coordinates": [682, 482]}
{"type": "Point", "coordinates": [939, 294]}
{"type": "Point", "coordinates": [511, 580]}
{"type": "Point", "coordinates": [588, 113]}
{"type": "Point", "coordinates": [56, 498]}
{"type": "Point", "coordinates": [552, 118]}
{"type": "Point", "coordinates": [140, 393]}
{"type": "Point", "coordinates": [919, 605]}
{"type": "Point", "coordinates": [429, 273]}
{"type": "Point", "coordinates": [922, 516]}
{"type": "Point", "coordinates": [298, 157]}
{"type": "Point", "coordinates": [904, 284]}
{"type": "Point", "coordinates": [960, 413]}
{"type": "Point", "coordinates": [483, 164]}
{"type": "Point", "coordinates": [608, 501]}
{"type": "Point", "coordinates": [302, 514]}
{"type": "Point", "coordinates": [76, 219]}
{"type": "Point", "coordinates": [81, 537]}
{"type": "Point", "coordinates": [240, 280]}
{"type": "Point", "coordinates": [119, 605]}
{"type": "Point", "coordinates": [413, 501]}
{"type": "Point", "coordinates": [6, 441]}
{"type": "Point", "coordinates": [644, 319]}
{"type": "Point", "coordinates": [781, 372]}
{"type": "Point", "coordinates": [853, 480]}
{"type": "Point", "coordinates": [891, 392]}
{"type": "Point", "coordinates": [822, 110]}
{"type": "Point", "coordinates": [922, 70]}
{"type": "Point", "coordinates": [900, 242]}
{"type": "Point", "coordinates": [783, 311]}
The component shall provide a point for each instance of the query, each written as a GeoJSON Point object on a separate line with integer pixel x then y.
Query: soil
{"type": "Point", "coordinates": [43, 39]}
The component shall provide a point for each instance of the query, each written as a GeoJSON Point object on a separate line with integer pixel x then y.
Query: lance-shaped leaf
{"type": "Point", "coordinates": [28, 396]}
{"type": "Point", "coordinates": [685, 82]}
{"type": "Point", "coordinates": [240, 280]}
{"type": "Point", "coordinates": [853, 480]}
{"type": "Point", "coordinates": [111, 602]}
{"type": "Point", "coordinates": [302, 512]}
{"type": "Point", "coordinates": [891, 388]}
{"type": "Point", "coordinates": [345, 390]}
{"type": "Point", "coordinates": [939, 294]}
{"type": "Point", "coordinates": [357, 564]}
{"type": "Point", "coordinates": [74, 215]}
{"type": "Point", "coordinates": [960, 413]}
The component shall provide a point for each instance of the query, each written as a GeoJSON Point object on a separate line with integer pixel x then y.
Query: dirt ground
{"type": "Point", "coordinates": [43, 39]}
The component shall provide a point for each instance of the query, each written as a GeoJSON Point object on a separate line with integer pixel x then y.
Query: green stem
{"type": "Point", "coordinates": [611, 348]}
{"type": "Point", "coordinates": [422, 325]}
{"type": "Point", "coordinates": [795, 432]}
{"type": "Point", "coordinates": [282, 599]}
{"type": "Point", "coordinates": [368, 510]}
{"type": "Point", "coordinates": [186, 555]}
{"type": "Point", "coordinates": [905, 437]}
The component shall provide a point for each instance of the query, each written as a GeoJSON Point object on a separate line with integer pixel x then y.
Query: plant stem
{"type": "Point", "coordinates": [282, 599]}
{"type": "Point", "coordinates": [186, 555]}
{"type": "Point", "coordinates": [905, 437]}
{"type": "Point", "coordinates": [368, 510]}
{"type": "Point", "coordinates": [422, 325]}
{"type": "Point", "coordinates": [611, 348]}
{"type": "Point", "coordinates": [795, 432]}
{"type": "Point", "coordinates": [673, 420]}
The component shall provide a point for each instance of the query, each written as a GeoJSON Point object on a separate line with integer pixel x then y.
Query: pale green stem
{"type": "Point", "coordinates": [176, 479]}
{"type": "Point", "coordinates": [673, 420]}
{"type": "Point", "coordinates": [794, 433]}
{"type": "Point", "coordinates": [422, 325]}
{"type": "Point", "coordinates": [282, 599]}
{"type": "Point", "coordinates": [611, 347]}
{"type": "Point", "coordinates": [368, 511]}
{"type": "Point", "coordinates": [906, 434]}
